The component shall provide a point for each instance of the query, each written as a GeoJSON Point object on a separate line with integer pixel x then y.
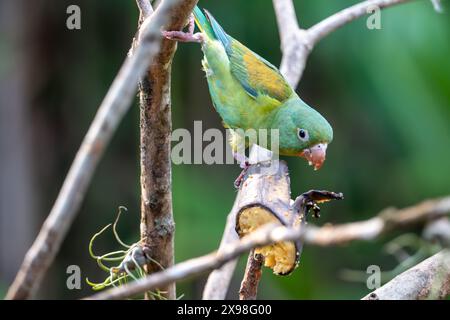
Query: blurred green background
{"type": "Point", "coordinates": [386, 93]}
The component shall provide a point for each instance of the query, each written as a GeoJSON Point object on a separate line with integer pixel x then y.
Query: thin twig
{"type": "Point", "coordinates": [429, 279]}
{"type": "Point", "coordinates": [390, 220]}
{"type": "Point", "coordinates": [110, 113]}
{"type": "Point", "coordinates": [337, 20]}
{"type": "Point", "coordinates": [386, 221]}
{"type": "Point", "coordinates": [145, 11]}
{"type": "Point", "coordinates": [252, 276]}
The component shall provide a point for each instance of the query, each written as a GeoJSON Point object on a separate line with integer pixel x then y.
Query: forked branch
{"type": "Point", "coordinates": [297, 43]}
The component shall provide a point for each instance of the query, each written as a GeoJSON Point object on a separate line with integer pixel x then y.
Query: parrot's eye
{"type": "Point", "coordinates": [303, 134]}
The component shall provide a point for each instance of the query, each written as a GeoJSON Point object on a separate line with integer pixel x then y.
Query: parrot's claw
{"type": "Point", "coordinates": [244, 165]}
{"type": "Point", "coordinates": [182, 36]}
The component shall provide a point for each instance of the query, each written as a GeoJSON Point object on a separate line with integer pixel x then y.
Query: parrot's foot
{"type": "Point", "coordinates": [244, 163]}
{"type": "Point", "coordinates": [240, 178]}
{"type": "Point", "coordinates": [182, 36]}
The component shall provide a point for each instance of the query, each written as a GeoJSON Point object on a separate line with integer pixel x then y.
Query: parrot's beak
{"type": "Point", "coordinates": [315, 155]}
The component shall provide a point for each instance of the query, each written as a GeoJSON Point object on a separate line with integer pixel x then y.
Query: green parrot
{"type": "Point", "coordinates": [250, 93]}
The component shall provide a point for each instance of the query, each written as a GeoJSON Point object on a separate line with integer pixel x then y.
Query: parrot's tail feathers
{"type": "Point", "coordinates": [210, 27]}
{"type": "Point", "coordinates": [218, 30]}
{"type": "Point", "coordinates": [203, 23]}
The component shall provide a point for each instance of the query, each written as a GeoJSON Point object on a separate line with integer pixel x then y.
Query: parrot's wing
{"type": "Point", "coordinates": [258, 77]}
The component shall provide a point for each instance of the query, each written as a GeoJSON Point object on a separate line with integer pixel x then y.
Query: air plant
{"type": "Point", "coordinates": [130, 261]}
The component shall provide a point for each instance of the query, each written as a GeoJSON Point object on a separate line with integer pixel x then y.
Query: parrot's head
{"type": "Point", "coordinates": [304, 132]}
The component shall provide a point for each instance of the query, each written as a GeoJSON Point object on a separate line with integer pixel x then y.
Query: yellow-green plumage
{"type": "Point", "coordinates": [250, 93]}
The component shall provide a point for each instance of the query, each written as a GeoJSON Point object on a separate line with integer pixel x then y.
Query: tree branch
{"type": "Point", "coordinates": [110, 113]}
{"type": "Point", "coordinates": [294, 49]}
{"type": "Point", "coordinates": [157, 224]}
{"type": "Point", "coordinates": [430, 279]}
{"type": "Point", "coordinates": [145, 8]}
{"type": "Point", "coordinates": [324, 236]}
{"type": "Point", "coordinates": [388, 220]}
{"type": "Point", "coordinates": [337, 20]}
{"type": "Point", "coordinates": [437, 5]}
{"type": "Point", "coordinates": [265, 190]}
{"type": "Point", "coordinates": [286, 20]}
{"type": "Point", "coordinates": [252, 276]}
{"type": "Point", "coordinates": [297, 43]}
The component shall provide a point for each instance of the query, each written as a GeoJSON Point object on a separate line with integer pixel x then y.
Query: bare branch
{"type": "Point", "coordinates": [110, 113]}
{"type": "Point", "coordinates": [294, 49]}
{"type": "Point", "coordinates": [337, 20]}
{"type": "Point", "coordinates": [286, 19]}
{"type": "Point", "coordinates": [270, 190]}
{"type": "Point", "coordinates": [429, 279]}
{"type": "Point", "coordinates": [216, 287]}
{"type": "Point", "coordinates": [297, 43]}
{"type": "Point", "coordinates": [252, 276]}
{"type": "Point", "coordinates": [390, 220]}
{"type": "Point", "coordinates": [437, 5]}
{"type": "Point", "coordinates": [145, 8]}
{"type": "Point", "coordinates": [157, 223]}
